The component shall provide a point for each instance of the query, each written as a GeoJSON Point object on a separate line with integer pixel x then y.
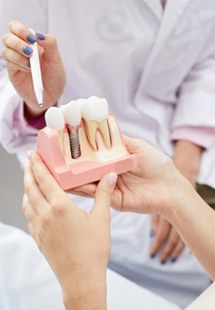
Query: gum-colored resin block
{"type": "Point", "coordinates": [54, 149]}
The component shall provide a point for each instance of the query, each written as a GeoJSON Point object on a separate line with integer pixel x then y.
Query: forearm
{"type": "Point", "coordinates": [187, 159]}
{"type": "Point", "coordinates": [195, 221]}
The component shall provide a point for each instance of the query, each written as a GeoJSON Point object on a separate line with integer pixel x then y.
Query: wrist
{"type": "Point", "coordinates": [85, 293]}
{"type": "Point", "coordinates": [182, 194]}
{"type": "Point", "coordinates": [187, 159]}
{"type": "Point", "coordinates": [35, 119]}
{"type": "Point", "coordinates": [33, 110]}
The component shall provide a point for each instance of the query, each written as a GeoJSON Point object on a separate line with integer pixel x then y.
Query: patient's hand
{"type": "Point", "coordinates": [76, 244]}
{"type": "Point", "coordinates": [150, 187]}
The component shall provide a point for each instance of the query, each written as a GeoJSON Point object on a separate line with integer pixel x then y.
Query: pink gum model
{"type": "Point", "coordinates": [83, 170]}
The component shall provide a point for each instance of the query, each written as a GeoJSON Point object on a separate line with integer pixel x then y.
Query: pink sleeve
{"type": "Point", "coordinates": [203, 136]}
{"type": "Point", "coordinates": [30, 126]}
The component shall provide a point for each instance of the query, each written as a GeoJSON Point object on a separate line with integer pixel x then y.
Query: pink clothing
{"type": "Point", "coordinates": [202, 136]}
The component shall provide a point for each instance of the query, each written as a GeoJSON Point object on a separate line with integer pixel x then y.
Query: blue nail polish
{"type": "Point", "coordinates": [27, 50]}
{"type": "Point", "coordinates": [40, 36]}
{"type": "Point", "coordinates": [152, 255]}
{"type": "Point", "coordinates": [173, 260]}
{"type": "Point", "coordinates": [152, 233]}
{"type": "Point", "coordinates": [31, 38]}
{"type": "Point", "coordinates": [163, 262]}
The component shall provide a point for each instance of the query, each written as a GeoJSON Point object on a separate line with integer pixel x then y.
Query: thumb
{"type": "Point", "coordinates": [104, 192]}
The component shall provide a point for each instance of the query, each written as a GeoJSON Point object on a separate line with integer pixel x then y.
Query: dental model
{"type": "Point", "coordinates": [95, 115]}
{"type": "Point", "coordinates": [72, 116]}
{"type": "Point", "coordinates": [82, 142]}
{"type": "Point", "coordinates": [55, 120]}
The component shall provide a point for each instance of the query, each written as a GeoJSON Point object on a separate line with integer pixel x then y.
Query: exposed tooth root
{"type": "Point", "coordinates": [91, 128]}
{"type": "Point", "coordinates": [104, 128]}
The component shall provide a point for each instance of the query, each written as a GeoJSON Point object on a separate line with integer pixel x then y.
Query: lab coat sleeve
{"type": "Point", "coordinates": [195, 108]}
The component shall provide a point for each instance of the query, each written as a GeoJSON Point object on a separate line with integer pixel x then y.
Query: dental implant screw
{"type": "Point", "coordinates": [74, 142]}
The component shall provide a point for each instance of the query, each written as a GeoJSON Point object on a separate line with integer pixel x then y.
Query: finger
{"type": "Point", "coordinates": [103, 193]}
{"type": "Point", "coordinates": [16, 44]}
{"type": "Point", "coordinates": [177, 251]}
{"type": "Point", "coordinates": [33, 191]}
{"type": "Point", "coordinates": [32, 231]}
{"type": "Point", "coordinates": [12, 68]}
{"type": "Point", "coordinates": [155, 224]}
{"type": "Point", "coordinates": [131, 144]}
{"type": "Point", "coordinates": [28, 210]}
{"type": "Point", "coordinates": [160, 237]}
{"type": "Point", "coordinates": [15, 58]}
{"type": "Point", "coordinates": [22, 31]}
{"type": "Point", "coordinates": [171, 244]}
{"type": "Point", "coordinates": [89, 190]}
{"type": "Point", "coordinates": [46, 182]}
{"type": "Point", "coordinates": [49, 44]}
{"type": "Point", "coordinates": [80, 194]}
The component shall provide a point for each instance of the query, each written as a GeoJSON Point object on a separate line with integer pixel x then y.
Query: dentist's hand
{"type": "Point", "coordinates": [76, 244]}
{"type": "Point", "coordinates": [17, 52]}
{"type": "Point", "coordinates": [166, 241]}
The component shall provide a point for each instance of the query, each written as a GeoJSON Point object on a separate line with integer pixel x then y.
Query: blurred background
{"type": "Point", "coordinates": [11, 191]}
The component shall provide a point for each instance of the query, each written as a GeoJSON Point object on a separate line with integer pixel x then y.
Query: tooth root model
{"type": "Point", "coordinates": [72, 116]}
{"type": "Point", "coordinates": [104, 128]}
{"type": "Point", "coordinates": [95, 115]}
{"type": "Point", "coordinates": [55, 120]}
{"type": "Point", "coordinates": [80, 164]}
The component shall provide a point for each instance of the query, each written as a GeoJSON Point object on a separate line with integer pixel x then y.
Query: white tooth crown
{"type": "Point", "coordinates": [72, 113]}
{"type": "Point", "coordinates": [54, 118]}
{"type": "Point", "coordinates": [95, 115]}
{"type": "Point", "coordinates": [95, 109]}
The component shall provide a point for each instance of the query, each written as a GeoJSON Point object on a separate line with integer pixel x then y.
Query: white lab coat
{"type": "Point", "coordinates": [158, 74]}
{"type": "Point", "coordinates": [27, 282]}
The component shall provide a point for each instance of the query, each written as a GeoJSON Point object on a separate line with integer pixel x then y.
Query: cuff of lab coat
{"type": "Point", "coordinates": [203, 136]}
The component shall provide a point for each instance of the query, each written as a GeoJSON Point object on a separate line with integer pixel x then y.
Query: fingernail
{"type": "Point", "coordinates": [111, 178]}
{"type": "Point", "coordinates": [11, 22]}
{"type": "Point", "coordinates": [174, 259]}
{"type": "Point", "coordinates": [163, 262]}
{"type": "Point", "coordinates": [152, 255]}
{"type": "Point", "coordinates": [40, 36]}
{"type": "Point", "coordinates": [29, 154]}
{"type": "Point", "coordinates": [31, 38]}
{"type": "Point", "coordinates": [27, 50]}
{"type": "Point", "coordinates": [152, 233]}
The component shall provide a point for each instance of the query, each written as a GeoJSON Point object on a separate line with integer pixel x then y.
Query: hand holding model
{"type": "Point", "coordinates": [145, 188]}
{"type": "Point", "coordinates": [17, 52]}
{"type": "Point", "coordinates": [70, 239]}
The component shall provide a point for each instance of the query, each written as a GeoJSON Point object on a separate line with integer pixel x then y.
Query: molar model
{"type": "Point", "coordinates": [82, 142]}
